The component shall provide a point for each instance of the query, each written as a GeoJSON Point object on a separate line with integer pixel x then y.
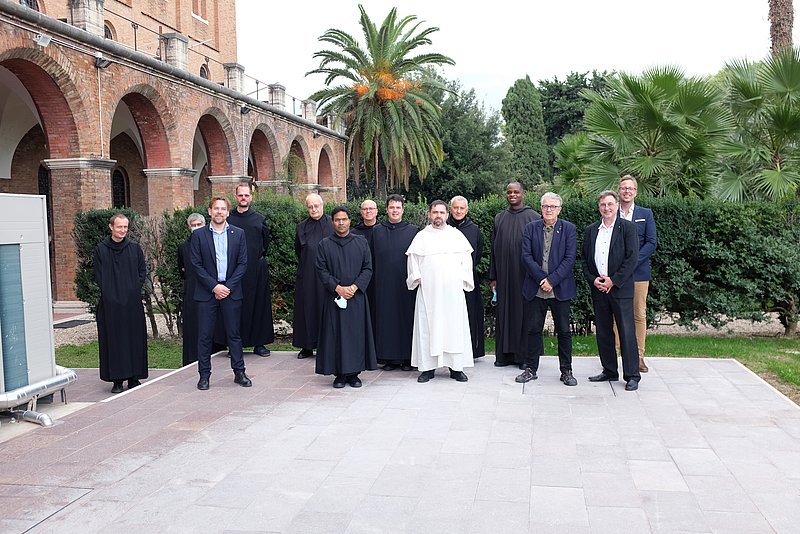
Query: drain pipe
{"type": "Point", "coordinates": [30, 393]}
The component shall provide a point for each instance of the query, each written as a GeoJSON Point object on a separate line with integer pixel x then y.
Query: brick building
{"type": "Point", "coordinates": [140, 103]}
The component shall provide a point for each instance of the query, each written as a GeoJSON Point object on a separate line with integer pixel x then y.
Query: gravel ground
{"type": "Point", "coordinates": [88, 332]}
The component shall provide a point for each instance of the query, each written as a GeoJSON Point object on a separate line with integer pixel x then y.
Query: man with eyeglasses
{"type": "Point", "coordinates": [610, 252]}
{"type": "Point", "coordinates": [195, 221]}
{"type": "Point", "coordinates": [646, 231]}
{"type": "Point", "coordinates": [548, 255]}
{"type": "Point", "coordinates": [369, 221]}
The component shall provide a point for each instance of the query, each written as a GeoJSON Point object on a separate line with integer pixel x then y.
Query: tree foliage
{"type": "Point", "coordinates": [524, 131]}
{"type": "Point", "coordinates": [383, 97]}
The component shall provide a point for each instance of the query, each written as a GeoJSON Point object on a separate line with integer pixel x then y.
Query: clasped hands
{"type": "Point", "coordinates": [221, 291]}
{"type": "Point", "coordinates": [603, 284]}
{"type": "Point", "coordinates": [346, 292]}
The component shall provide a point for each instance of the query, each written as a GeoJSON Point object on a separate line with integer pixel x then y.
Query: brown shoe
{"type": "Point", "coordinates": [643, 366]}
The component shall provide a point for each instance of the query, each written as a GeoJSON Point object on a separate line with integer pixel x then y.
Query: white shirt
{"type": "Point", "coordinates": [627, 216]}
{"type": "Point", "coordinates": [601, 247]}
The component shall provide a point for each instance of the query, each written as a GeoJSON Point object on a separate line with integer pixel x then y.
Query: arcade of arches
{"type": "Point", "coordinates": [127, 135]}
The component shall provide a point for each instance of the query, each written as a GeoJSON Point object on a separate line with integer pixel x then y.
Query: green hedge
{"type": "Point", "coordinates": [714, 260]}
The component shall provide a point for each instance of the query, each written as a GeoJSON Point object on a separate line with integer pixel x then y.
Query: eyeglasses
{"type": "Point", "coordinates": [369, 209]}
{"type": "Point", "coordinates": [549, 207]}
{"type": "Point", "coordinates": [627, 189]}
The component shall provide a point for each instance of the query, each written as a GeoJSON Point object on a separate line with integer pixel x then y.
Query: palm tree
{"type": "Point", "coordinates": [390, 118]}
{"type": "Point", "coordinates": [661, 127]}
{"type": "Point", "coordinates": [762, 159]}
{"type": "Point", "coordinates": [781, 21]}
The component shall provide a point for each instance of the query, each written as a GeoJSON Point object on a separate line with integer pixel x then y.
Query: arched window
{"type": "Point", "coordinates": [204, 72]}
{"type": "Point", "coordinates": [119, 189]}
{"type": "Point", "coordinates": [108, 33]}
{"type": "Point", "coordinates": [33, 4]}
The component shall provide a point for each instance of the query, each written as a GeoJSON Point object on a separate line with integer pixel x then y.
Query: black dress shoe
{"type": "Point", "coordinates": [117, 387]}
{"type": "Point", "coordinates": [305, 353]}
{"type": "Point", "coordinates": [202, 384]}
{"type": "Point", "coordinates": [458, 376]}
{"type": "Point", "coordinates": [602, 377]}
{"type": "Point", "coordinates": [502, 364]}
{"type": "Point", "coordinates": [261, 350]}
{"type": "Point", "coordinates": [406, 367]}
{"type": "Point", "coordinates": [132, 383]}
{"type": "Point", "coordinates": [389, 367]}
{"type": "Point", "coordinates": [242, 379]}
{"type": "Point", "coordinates": [425, 376]}
{"type": "Point", "coordinates": [632, 385]}
{"type": "Point", "coordinates": [354, 381]}
{"type": "Point", "coordinates": [339, 382]}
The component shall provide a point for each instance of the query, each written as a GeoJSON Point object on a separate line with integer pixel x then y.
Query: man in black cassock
{"type": "Point", "coordinates": [189, 306]}
{"type": "Point", "coordinates": [120, 272]}
{"type": "Point", "coordinates": [394, 303]}
{"type": "Point", "coordinates": [458, 218]}
{"type": "Point", "coordinates": [308, 290]}
{"type": "Point", "coordinates": [369, 221]}
{"type": "Point", "coordinates": [344, 267]}
{"type": "Point", "coordinates": [256, 327]}
{"type": "Point", "coordinates": [506, 275]}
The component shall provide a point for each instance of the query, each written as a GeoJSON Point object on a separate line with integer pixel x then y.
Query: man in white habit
{"type": "Point", "coordinates": [440, 264]}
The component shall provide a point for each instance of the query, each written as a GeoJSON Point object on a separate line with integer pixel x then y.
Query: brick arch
{"type": "Point", "coordinates": [325, 167]}
{"type": "Point", "coordinates": [219, 138]}
{"type": "Point", "coordinates": [55, 96]}
{"type": "Point", "coordinates": [263, 149]}
{"type": "Point", "coordinates": [149, 113]}
{"type": "Point", "coordinates": [299, 148]}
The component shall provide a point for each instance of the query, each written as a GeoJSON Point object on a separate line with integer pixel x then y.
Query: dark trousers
{"type": "Point", "coordinates": [535, 312]}
{"type": "Point", "coordinates": [207, 313]}
{"type": "Point", "coordinates": [607, 310]}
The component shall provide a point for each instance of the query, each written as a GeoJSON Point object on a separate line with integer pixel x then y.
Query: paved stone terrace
{"type": "Point", "coordinates": [703, 446]}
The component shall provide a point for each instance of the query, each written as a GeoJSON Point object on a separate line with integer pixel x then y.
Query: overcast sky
{"type": "Point", "coordinates": [496, 42]}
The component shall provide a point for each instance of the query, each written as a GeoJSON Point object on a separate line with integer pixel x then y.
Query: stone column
{"type": "Point", "coordinates": [234, 76]}
{"type": "Point", "coordinates": [277, 96]}
{"type": "Point", "coordinates": [76, 184]}
{"type": "Point", "coordinates": [224, 186]}
{"type": "Point", "coordinates": [87, 15]}
{"type": "Point", "coordinates": [169, 189]}
{"type": "Point", "coordinates": [176, 50]}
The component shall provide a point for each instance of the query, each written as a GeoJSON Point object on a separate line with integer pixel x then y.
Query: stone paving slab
{"type": "Point", "coordinates": [703, 446]}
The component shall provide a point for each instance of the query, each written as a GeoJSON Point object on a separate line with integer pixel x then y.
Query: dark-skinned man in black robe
{"type": "Point", "coordinates": [394, 303]}
{"type": "Point", "coordinates": [308, 290]}
{"type": "Point", "coordinates": [256, 327]}
{"type": "Point", "coordinates": [459, 219]}
{"type": "Point", "coordinates": [506, 276]}
{"type": "Point", "coordinates": [344, 267]}
{"type": "Point", "coordinates": [369, 221]}
{"type": "Point", "coordinates": [120, 272]}
{"type": "Point", "coordinates": [189, 305]}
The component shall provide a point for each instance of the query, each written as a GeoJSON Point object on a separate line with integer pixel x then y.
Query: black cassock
{"type": "Point", "coordinates": [506, 268]}
{"type": "Point", "coordinates": [256, 327]}
{"type": "Point", "coordinates": [345, 338]}
{"type": "Point", "coordinates": [474, 299]}
{"type": "Point", "coordinates": [189, 306]}
{"type": "Point", "coordinates": [308, 291]}
{"type": "Point", "coordinates": [120, 271]}
{"type": "Point", "coordinates": [366, 231]}
{"type": "Point", "coordinates": [394, 303]}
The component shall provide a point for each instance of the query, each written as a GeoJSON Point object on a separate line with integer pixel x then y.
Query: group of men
{"type": "Point", "coordinates": [388, 293]}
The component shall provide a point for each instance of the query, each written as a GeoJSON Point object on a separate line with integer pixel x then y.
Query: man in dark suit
{"type": "Point", "coordinates": [189, 305]}
{"type": "Point", "coordinates": [548, 256]}
{"type": "Point", "coordinates": [219, 258]}
{"type": "Point", "coordinates": [646, 231]}
{"type": "Point", "coordinates": [610, 251]}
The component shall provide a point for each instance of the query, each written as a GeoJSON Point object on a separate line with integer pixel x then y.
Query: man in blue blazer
{"type": "Point", "coordinates": [219, 258]}
{"type": "Point", "coordinates": [610, 251]}
{"type": "Point", "coordinates": [646, 231]}
{"type": "Point", "coordinates": [548, 256]}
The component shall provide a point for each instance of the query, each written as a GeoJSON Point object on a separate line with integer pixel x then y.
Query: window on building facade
{"type": "Point", "coordinates": [119, 189]}
{"type": "Point", "coordinates": [204, 72]}
{"type": "Point", "coordinates": [107, 32]}
{"type": "Point", "coordinates": [199, 8]}
{"type": "Point", "coordinates": [33, 4]}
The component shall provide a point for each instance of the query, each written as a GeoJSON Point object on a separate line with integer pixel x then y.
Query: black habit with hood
{"type": "Point", "coordinates": [120, 272]}
{"type": "Point", "coordinates": [366, 231]}
{"type": "Point", "coordinates": [394, 303]}
{"type": "Point", "coordinates": [256, 326]}
{"type": "Point", "coordinates": [308, 291]}
{"type": "Point", "coordinates": [474, 299]}
{"type": "Point", "coordinates": [506, 268]}
{"type": "Point", "coordinates": [345, 339]}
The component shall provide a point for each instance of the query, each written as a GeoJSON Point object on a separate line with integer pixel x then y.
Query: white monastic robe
{"type": "Point", "coordinates": [440, 263]}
